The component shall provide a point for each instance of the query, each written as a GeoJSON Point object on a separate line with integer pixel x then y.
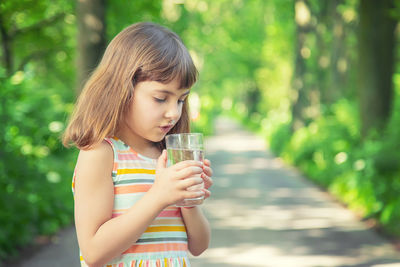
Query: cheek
{"type": "Point", "coordinates": [150, 112]}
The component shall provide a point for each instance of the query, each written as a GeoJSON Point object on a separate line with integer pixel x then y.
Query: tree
{"type": "Point", "coordinates": [91, 36]}
{"type": "Point", "coordinates": [376, 43]}
{"type": "Point", "coordinates": [301, 101]}
{"type": "Point", "coordinates": [17, 34]}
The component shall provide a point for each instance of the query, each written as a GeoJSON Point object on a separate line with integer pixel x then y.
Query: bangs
{"type": "Point", "coordinates": [167, 61]}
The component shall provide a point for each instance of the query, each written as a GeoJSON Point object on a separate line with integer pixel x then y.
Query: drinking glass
{"type": "Point", "coordinates": [186, 146]}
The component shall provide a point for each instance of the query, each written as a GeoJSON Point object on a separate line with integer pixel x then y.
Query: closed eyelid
{"type": "Point", "coordinates": [166, 92]}
{"type": "Point", "coordinates": [165, 96]}
{"type": "Point", "coordinates": [162, 99]}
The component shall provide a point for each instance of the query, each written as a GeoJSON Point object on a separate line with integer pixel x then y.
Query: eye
{"type": "Point", "coordinates": [159, 100]}
{"type": "Point", "coordinates": [181, 101]}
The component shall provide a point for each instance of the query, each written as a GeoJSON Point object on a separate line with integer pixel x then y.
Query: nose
{"type": "Point", "coordinates": [174, 111]}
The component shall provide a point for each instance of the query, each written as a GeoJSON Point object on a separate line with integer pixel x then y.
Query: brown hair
{"type": "Point", "coordinates": [141, 52]}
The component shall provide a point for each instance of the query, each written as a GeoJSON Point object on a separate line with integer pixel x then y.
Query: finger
{"type": "Point", "coordinates": [162, 160]}
{"type": "Point", "coordinates": [189, 182]}
{"type": "Point", "coordinates": [207, 193]}
{"type": "Point", "coordinates": [208, 181]}
{"type": "Point", "coordinates": [188, 172]}
{"type": "Point", "coordinates": [207, 162]}
{"type": "Point", "coordinates": [193, 194]}
{"type": "Point", "coordinates": [187, 163]}
{"type": "Point", "coordinates": [208, 171]}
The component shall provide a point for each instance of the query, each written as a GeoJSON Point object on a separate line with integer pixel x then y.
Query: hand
{"type": "Point", "coordinates": [206, 175]}
{"type": "Point", "coordinates": [171, 183]}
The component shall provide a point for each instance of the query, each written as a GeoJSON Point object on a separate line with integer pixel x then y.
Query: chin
{"type": "Point", "coordinates": [158, 139]}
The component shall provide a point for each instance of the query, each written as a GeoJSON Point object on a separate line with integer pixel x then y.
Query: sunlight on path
{"type": "Point", "coordinates": [263, 213]}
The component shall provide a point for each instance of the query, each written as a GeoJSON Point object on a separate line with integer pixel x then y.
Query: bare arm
{"type": "Point", "coordinates": [101, 237]}
{"type": "Point", "coordinates": [198, 230]}
{"type": "Point", "coordinates": [197, 226]}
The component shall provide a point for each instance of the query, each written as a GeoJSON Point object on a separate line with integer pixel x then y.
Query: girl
{"type": "Point", "coordinates": [124, 195]}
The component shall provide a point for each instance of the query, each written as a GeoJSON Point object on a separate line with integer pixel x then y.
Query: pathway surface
{"type": "Point", "coordinates": [263, 213]}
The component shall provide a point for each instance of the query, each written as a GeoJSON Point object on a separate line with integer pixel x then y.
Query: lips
{"type": "Point", "coordinates": [166, 128]}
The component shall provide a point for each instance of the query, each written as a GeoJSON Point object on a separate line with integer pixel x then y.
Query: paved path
{"type": "Point", "coordinates": [264, 214]}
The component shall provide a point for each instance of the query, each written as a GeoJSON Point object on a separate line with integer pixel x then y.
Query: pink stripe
{"type": "Point", "coordinates": [116, 215]}
{"type": "Point", "coordinates": [170, 213]}
{"type": "Point", "coordinates": [128, 157]}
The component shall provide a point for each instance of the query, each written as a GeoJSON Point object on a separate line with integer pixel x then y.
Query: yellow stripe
{"type": "Point", "coordinates": [132, 171]}
{"type": "Point", "coordinates": [165, 229]}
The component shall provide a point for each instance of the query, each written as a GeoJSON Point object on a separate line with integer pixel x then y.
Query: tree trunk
{"type": "Point", "coordinates": [91, 37]}
{"type": "Point", "coordinates": [298, 83]}
{"type": "Point", "coordinates": [376, 42]}
{"type": "Point", "coordinates": [322, 52]}
{"type": "Point", "coordinates": [7, 60]}
{"type": "Point", "coordinates": [338, 58]}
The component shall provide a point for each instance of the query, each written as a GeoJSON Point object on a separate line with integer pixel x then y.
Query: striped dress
{"type": "Point", "coordinates": [164, 243]}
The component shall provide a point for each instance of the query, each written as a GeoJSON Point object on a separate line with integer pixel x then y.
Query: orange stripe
{"type": "Point", "coordinates": [120, 211]}
{"type": "Point", "coordinates": [128, 189]}
{"type": "Point", "coordinates": [126, 151]}
{"type": "Point", "coordinates": [156, 248]}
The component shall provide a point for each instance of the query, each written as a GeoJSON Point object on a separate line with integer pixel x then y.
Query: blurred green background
{"type": "Point", "coordinates": [318, 79]}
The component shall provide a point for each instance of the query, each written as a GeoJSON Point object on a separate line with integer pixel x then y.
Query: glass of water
{"type": "Point", "coordinates": [186, 146]}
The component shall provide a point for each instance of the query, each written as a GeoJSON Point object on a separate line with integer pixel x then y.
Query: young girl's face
{"type": "Point", "coordinates": [154, 110]}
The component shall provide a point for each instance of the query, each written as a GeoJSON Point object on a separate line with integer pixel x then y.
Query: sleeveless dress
{"type": "Point", "coordinates": [164, 243]}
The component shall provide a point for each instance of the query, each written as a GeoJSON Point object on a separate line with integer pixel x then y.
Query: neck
{"type": "Point", "coordinates": [138, 144]}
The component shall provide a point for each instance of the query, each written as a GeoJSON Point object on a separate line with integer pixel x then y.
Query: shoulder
{"type": "Point", "coordinates": [98, 152]}
{"type": "Point", "coordinates": [99, 156]}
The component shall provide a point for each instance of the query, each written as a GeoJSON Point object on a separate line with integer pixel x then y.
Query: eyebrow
{"type": "Point", "coordinates": [171, 93]}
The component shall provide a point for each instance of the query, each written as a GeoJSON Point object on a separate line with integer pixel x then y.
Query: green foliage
{"type": "Point", "coordinates": [364, 175]}
{"type": "Point", "coordinates": [280, 138]}
{"type": "Point", "coordinates": [205, 121]}
{"type": "Point", "coordinates": [35, 170]}
{"type": "Point", "coordinates": [121, 13]}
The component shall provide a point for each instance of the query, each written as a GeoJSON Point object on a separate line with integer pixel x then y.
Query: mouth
{"type": "Point", "coordinates": [166, 128]}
